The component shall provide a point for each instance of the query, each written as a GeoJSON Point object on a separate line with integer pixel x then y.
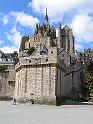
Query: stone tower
{"type": "Point", "coordinates": [66, 39]}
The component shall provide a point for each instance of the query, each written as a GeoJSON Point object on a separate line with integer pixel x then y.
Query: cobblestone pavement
{"type": "Point", "coordinates": [44, 114]}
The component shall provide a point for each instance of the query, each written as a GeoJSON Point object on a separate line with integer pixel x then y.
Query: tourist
{"type": "Point", "coordinates": [14, 101]}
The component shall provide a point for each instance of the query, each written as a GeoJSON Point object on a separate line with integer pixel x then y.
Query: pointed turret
{"type": "Point", "coordinates": [46, 17]}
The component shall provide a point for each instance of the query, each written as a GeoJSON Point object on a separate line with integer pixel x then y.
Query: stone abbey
{"type": "Point", "coordinates": [40, 76]}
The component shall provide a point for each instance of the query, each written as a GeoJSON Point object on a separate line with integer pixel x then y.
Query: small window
{"type": "Point", "coordinates": [51, 51]}
{"type": "Point", "coordinates": [11, 83]}
{"type": "Point", "coordinates": [46, 60]}
{"type": "Point", "coordinates": [31, 94]}
{"type": "Point", "coordinates": [29, 45]}
{"type": "Point", "coordinates": [29, 61]}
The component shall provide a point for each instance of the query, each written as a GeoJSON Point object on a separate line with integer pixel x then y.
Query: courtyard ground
{"type": "Point", "coordinates": [45, 114]}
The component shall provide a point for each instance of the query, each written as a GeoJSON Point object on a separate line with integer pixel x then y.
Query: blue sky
{"type": "Point", "coordinates": [19, 17]}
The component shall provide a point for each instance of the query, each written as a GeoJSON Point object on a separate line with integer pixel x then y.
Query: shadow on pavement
{"type": "Point", "coordinates": [73, 102]}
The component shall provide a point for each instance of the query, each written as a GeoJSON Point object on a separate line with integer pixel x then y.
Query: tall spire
{"type": "Point", "coordinates": [46, 16]}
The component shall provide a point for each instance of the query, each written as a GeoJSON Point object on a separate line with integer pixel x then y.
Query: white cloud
{"type": "Point", "coordinates": [56, 8]}
{"type": "Point", "coordinates": [15, 18]}
{"type": "Point", "coordinates": [82, 26]}
{"type": "Point", "coordinates": [9, 49]}
{"type": "Point", "coordinates": [15, 38]}
{"type": "Point", "coordinates": [14, 21]}
{"type": "Point", "coordinates": [24, 19]}
{"type": "Point", "coordinates": [5, 19]}
{"type": "Point", "coordinates": [14, 30]}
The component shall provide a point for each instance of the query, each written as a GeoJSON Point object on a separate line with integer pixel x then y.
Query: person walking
{"type": "Point", "coordinates": [14, 101]}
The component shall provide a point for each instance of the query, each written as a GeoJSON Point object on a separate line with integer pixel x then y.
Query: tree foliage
{"type": "Point", "coordinates": [90, 68]}
{"type": "Point", "coordinates": [87, 81]}
{"type": "Point", "coordinates": [84, 84]}
{"type": "Point", "coordinates": [30, 50]}
{"type": "Point", "coordinates": [3, 68]}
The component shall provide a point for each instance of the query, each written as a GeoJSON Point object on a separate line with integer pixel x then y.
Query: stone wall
{"type": "Point", "coordinates": [36, 83]}
{"type": "Point", "coordinates": [36, 40]}
{"type": "Point", "coordinates": [60, 83]}
{"type": "Point", "coordinates": [7, 83]}
{"type": "Point", "coordinates": [72, 80]}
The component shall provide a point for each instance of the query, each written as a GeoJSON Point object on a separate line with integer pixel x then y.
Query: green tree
{"type": "Point", "coordinates": [3, 68]}
{"type": "Point", "coordinates": [90, 68]}
{"type": "Point", "coordinates": [30, 50]}
{"type": "Point", "coordinates": [87, 81]}
{"type": "Point", "coordinates": [84, 84]}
